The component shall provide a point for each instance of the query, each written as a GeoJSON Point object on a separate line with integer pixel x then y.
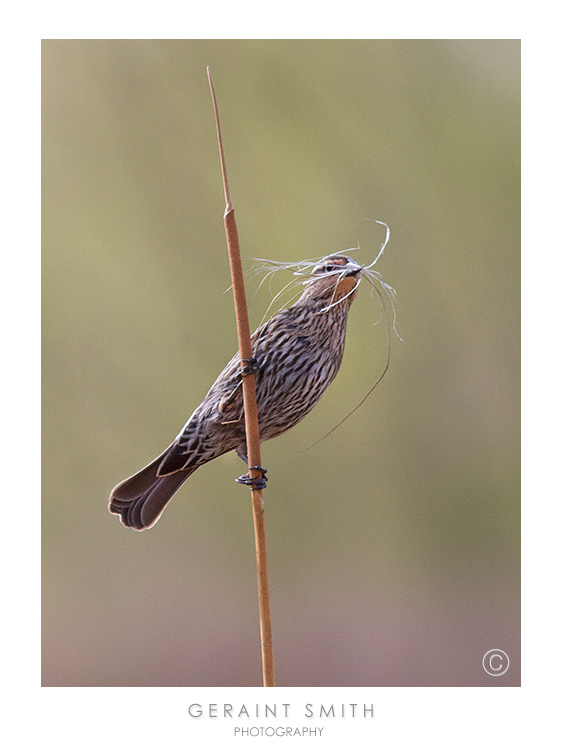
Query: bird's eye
{"type": "Point", "coordinates": [329, 268]}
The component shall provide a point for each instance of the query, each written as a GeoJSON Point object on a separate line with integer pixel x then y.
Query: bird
{"type": "Point", "coordinates": [296, 355]}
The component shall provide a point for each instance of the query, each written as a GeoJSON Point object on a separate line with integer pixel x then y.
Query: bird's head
{"type": "Point", "coordinates": [334, 278]}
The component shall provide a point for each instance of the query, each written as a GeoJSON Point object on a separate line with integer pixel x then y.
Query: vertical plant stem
{"type": "Point", "coordinates": [251, 412]}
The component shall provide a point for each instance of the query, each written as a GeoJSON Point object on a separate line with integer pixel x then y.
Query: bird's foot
{"type": "Point", "coordinates": [254, 483]}
{"type": "Point", "coordinates": [251, 367]}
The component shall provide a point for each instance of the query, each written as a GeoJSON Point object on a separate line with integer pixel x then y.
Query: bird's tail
{"type": "Point", "coordinates": [141, 499]}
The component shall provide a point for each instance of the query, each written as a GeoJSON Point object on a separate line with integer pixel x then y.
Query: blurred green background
{"type": "Point", "coordinates": [394, 543]}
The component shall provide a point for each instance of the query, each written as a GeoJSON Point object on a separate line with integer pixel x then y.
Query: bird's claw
{"type": "Point", "coordinates": [251, 367]}
{"type": "Point", "coordinates": [254, 483]}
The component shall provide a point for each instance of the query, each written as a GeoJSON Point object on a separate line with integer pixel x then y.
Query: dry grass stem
{"type": "Point", "coordinates": [251, 412]}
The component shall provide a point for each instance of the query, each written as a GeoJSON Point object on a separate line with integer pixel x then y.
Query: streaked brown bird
{"type": "Point", "coordinates": [296, 355]}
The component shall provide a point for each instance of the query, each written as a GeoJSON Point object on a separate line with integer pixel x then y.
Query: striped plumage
{"type": "Point", "coordinates": [298, 352]}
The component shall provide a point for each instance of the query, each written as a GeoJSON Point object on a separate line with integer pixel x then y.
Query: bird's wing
{"type": "Point", "coordinates": [200, 440]}
{"type": "Point", "coordinates": [220, 415]}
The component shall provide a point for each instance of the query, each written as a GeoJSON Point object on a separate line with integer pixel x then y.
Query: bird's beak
{"type": "Point", "coordinates": [352, 269]}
